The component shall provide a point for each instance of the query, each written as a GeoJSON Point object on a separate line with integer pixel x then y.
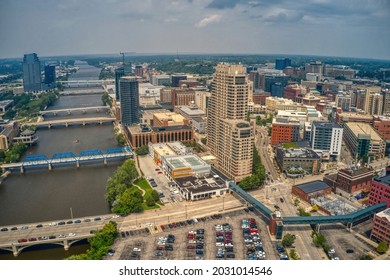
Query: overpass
{"type": "Point", "coordinates": [349, 219]}
{"type": "Point", "coordinates": [68, 159]}
{"type": "Point", "coordinates": [75, 121]}
{"type": "Point", "coordinates": [86, 83]}
{"type": "Point", "coordinates": [19, 237]}
{"type": "Point", "coordinates": [70, 110]}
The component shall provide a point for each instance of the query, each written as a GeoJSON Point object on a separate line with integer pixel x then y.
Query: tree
{"type": "Point", "coordinates": [155, 195]}
{"type": "Point", "coordinates": [294, 255]}
{"type": "Point", "coordinates": [319, 240]}
{"type": "Point", "coordinates": [149, 200]}
{"type": "Point", "coordinates": [143, 150]}
{"type": "Point", "coordinates": [120, 138]}
{"type": "Point", "coordinates": [365, 257]}
{"type": "Point", "coordinates": [296, 201]}
{"type": "Point", "coordinates": [129, 202]}
{"type": "Point", "coordinates": [203, 140]}
{"type": "Point", "coordinates": [288, 240]}
{"type": "Point", "coordinates": [315, 208]}
{"type": "Point", "coordinates": [382, 247]}
{"type": "Point", "coordinates": [302, 212]}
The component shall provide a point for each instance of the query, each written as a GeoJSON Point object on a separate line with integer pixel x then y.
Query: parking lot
{"type": "Point", "coordinates": [187, 245]}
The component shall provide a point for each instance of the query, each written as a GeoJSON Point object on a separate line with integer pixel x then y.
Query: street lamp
{"type": "Point", "coordinates": [71, 213]}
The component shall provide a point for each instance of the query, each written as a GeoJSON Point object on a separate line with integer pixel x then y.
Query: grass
{"type": "Point", "coordinates": [144, 184]}
{"type": "Point", "coordinates": [291, 145]}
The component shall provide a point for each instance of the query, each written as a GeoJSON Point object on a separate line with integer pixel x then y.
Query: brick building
{"type": "Point", "coordinates": [382, 125]}
{"type": "Point", "coordinates": [381, 226]}
{"type": "Point", "coordinates": [380, 190]}
{"type": "Point", "coordinates": [182, 96]}
{"type": "Point", "coordinates": [284, 130]}
{"type": "Point", "coordinates": [311, 190]}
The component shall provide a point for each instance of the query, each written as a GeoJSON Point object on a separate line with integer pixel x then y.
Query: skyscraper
{"type": "Point", "coordinates": [129, 97]}
{"type": "Point", "coordinates": [119, 72]}
{"type": "Point", "coordinates": [229, 136]}
{"type": "Point", "coordinates": [50, 75]}
{"type": "Point", "coordinates": [32, 79]}
{"type": "Point", "coordinates": [327, 137]}
{"type": "Point", "coordinates": [282, 63]}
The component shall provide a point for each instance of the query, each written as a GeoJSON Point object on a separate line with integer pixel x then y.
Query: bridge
{"type": "Point", "coordinates": [86, 83]}
{"type": "Point", "coordinates": [348, 219]}
{"type": "Point", "coordinates": [70, 110]}
{"type": "Point", "coordinates": [76, 121]}
{"type": "Point", "coordinates": [68, 159]}
{"type": "Point", "coordinates": [63, 233]}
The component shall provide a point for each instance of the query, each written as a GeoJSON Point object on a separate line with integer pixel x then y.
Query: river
{"type": "Point", "coordinates": [44, 195]}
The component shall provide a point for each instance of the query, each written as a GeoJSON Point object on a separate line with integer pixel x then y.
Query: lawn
{"type": "Point", "coordinates": [144, 184]}
{"type": "Point", "coordinates": [291, 145]}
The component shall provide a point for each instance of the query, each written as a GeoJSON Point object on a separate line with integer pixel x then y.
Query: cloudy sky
{"type": "Point", "coordinates": [352, 28]}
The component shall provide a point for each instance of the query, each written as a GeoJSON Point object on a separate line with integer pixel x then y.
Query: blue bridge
{"type": "Point", "coordinates": [68, 159]}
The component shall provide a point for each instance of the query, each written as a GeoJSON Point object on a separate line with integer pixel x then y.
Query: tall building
{"type": "Point", "coordinates": [50, 75]}
{"type": "Point", "coordinates": [327, 137]}
{"type": "Point", "coordinates": [139, 70]}
{"type": "Point", "coordinates": [119, 72]}
{"type": "Point", "coordinates": [277, 89]}
{"type": "Point", "coordinates": [183, 96]}
{"type": "Point", "coordinates": [373, 101]}
{"type": "Point", "coordinates": [176, 79]}
{"type": "Point", "coordinates": [230, 137]}
{"type": "Point", "coordinates": [32, 80]}
{"type": "Point", "coordinates": [380, 190]}
{"type": "Point", "coordinates": [282, 63]}
{"type": "Point", "coordinates": [381, 226]}
{"type": "Point", "coordinates": [284, 130]}
{"type": "Point", "coordinates": [386, 101]}
{"type": "Point", "coordinates": [129, 96]}
{"type": "Point", "coordinates": [343, 101]}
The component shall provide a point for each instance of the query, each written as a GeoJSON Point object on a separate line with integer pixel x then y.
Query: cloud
{"type": "Point", "coordinates": [282, 15]}
{"type": "Point", "coordinates": [208, 20]}
{"type": "Point", "coordinates": [223, 4]}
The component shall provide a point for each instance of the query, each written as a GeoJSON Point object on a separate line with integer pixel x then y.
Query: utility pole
{"type": "Point", "coordinates": [71, 213]}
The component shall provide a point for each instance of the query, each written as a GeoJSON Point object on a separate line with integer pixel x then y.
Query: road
{"type": "Point", "coordinates": [262, 145]}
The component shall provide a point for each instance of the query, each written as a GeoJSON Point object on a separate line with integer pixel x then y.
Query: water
{"type": "Point", "coordinates": [86, 72]}
{"type": "Point", "coordinates": [43, 195]}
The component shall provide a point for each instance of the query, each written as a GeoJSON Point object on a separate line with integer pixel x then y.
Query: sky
{"type": "Point", "coordinates": [345, 28]}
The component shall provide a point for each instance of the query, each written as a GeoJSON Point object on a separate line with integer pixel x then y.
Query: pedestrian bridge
{"type": "Point", "coordinates": [70, 110]}
{"type": "Point", "coordinates": [76, 121]}
{"type": "Point", "coordinates": [66, 159]}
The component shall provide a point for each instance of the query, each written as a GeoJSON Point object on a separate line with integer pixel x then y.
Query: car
{"type": "Point", "coordinates": [230, 256]}
{"type": "Point", "coordinates": [349, 251]}
{"type": "Point", "coordinates": [276, 206]}
{"type": "Point", "coordinates": [87, 220]}
{"type": "Point", "coordinates": [77, 221]}
{"type": "Point", "coordinates": [4, 229]}
{"type": "Point", "coordinates": [199, 252]}
{"type": "Point", "coordinates": [157, 169]}
{"type": "Point", "coordinates": [69, 222]}
{"type": "Point", "coordinates": [53, 224]}
{"type": "Point", "coordinates": [281, 199]}
{"type": "Point", "coordinates": [97, 219]}
{"type": "Point", "coordinates": [61, 223]}
{"type": "Point", "coordinates": [39, 225]}
{"type": "Point", "coordinates": [52, 237]}
{"type": "Point", "coordinates": [72, 234]}
{"type": "Point", "coordinates": [32, 239]}
{"type": "Point", "coordinates": [220, 256]}
{"type": "Point", "coordinates": [335, 258]}
{"type": "Point", "coordinates": [331, 251]}
{"type": "Point", "coordinates": [115, 216]}
{"type": "Point", "coordinates": [168, 248]}
{"type": "Point", "coordinates": [134, 255]}
{"type": "Point", "coordinates": [159, 172]}
{"type": "Point", "coordinates": [137, 250]}
{"type": "Point", "coordinates": [14, 228]}
{"type": "Point", "coordinates": [190, 246]}
{"type": "Point", "coordinates": [198, 258]}
{"type": "Point", "coordinates": [43, 238]}
{"type": "Point", "coordinates": [159, 254]}
{"type": "Point", "coordinates": [111, 252]}
{"type": "Point", "coordinates": [24, 227]}
{"type": "Point", "coordinates": [61, 236]}
{"type": "Point", "coordinates": [21, 240]}
{"type": "Point", "coordinates": [123, 234]}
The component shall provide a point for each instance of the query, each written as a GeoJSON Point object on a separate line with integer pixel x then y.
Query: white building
{"type": "Point", "coordinates": [327, 137]}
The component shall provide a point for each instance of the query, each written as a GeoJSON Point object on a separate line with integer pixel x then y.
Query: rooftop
{"type": "Point", "coordinates": [326, 124]}
{"type": "Point", "coordinates": [191, 161]}
{"type": "Point", "coordinates": [363, 128]}
{"type": "Point", "coordinates": [312, 187]}
{"type": "Point", "coordinates": [300, 153]}
{"type": "Point", "coordinates": [191, 110]}
{"type": "Point", "coordinates": [356, 171]}
{"type": "Point", "coordinates": [202, 184]}
{"type": "Point", "coordinates": [137, 129]}
{"type": "Point", "coordinates": [384, 214]}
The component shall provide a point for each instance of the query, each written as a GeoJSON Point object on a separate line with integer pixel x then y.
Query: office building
{"type": "Point", "coordinates": [119, 73]}
{"type": "Point", "coordinates": [382, 125]}
{"type": "Point", "coordinates": [190, 112]}
{"type": "Point", "coordinates": [386, 101]}
{"type": "Point", "coordinates": [381, 226]}
{"type": "Point", "coordinates": [182, 96]}
{"type": "Point", "coordinates": [282, 63]}
{"type": "Point", "coordinates": [373, 101]}
{"type": "Point", "coordinates": [327, 137]}
{"type": "Point", "coordinates": [32, 79]}
{"type": "Point", "coordinates": [380, 190]}
{"type": "Point", "coordinates": [298, 162]}
{"type": "Point", "coordinates": [272, 78]}
{"type": "Point", "coordinates": [50, 76]}
{"type": "Point", "coordinates": [363, 140]}
{"type": "Point", "coordinates": [229, 136]}
{"type": "Point", "coordinates": [139, 71]}
{"type": "Point", "coordinates": [343, 101]}
{"type": "Point", "coordinates": [345, 117]}
{"type": "Point", "coordinates": [293, 91]}
{"type": "Point", "coordinates": [129, 97]}
{"type": "Point", "coordinates": [161, 80]}
{"type": "Point", "coordinates": [284, 130]}
{"type": "Point", "coordinates": [176, 79]}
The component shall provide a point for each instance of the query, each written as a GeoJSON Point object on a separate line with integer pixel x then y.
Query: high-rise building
{"type": "Point", "coordinates": [327, 137]}
{"type": "Point", "coordinates": [386, 101]}
{"type": "Point", "coordinates": [176, 79]}
{"type": "Point", "coordinates": [129, 97]}
{"type": "Point", "coordinates": [139, 70]}
{"type": "Point", "coordinates": [229, 136]}
{"type": "Point", "coordinates": [284, 130]}
{"type": "Point", "coordinates": [119, 72]}
{"type": "Point", "coordinates": [343, 101]}
{"type": "Point", "coordinates": [183, 96]}
{"type": "Point", "coordinates": [32, 80]}
{"type": "Point", "coordinates": [381, 226]}
{"type": "Point", "coordinates": [282, 63]}
{"type": "Point", "coordinates": [373, 101]}
{"type": "Point", "coordinates": [50, 75]}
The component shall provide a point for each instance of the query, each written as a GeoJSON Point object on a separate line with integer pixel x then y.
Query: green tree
{"type": "Point", "coordinates": [143, 150]}
{"type": "Point", "coordinates": [149, 200]}
{"type": "Point", "coordinates": [294, 255]}
{"type": "Point", "coordinates": [288, 240]}
{"type": "Point", "coordinates": [129, 202]}
{"type": "Point", "coordinates": [319, 240]}
{"type": "Point", "coordinates": [302, 212]}
{"type": "Point", "coordinates": [106, 99]}
{"type": "Point", "coordinates": [120, 138]}
{"type": "Point", "coordinates": [203, 140]}
{"type": "Point", "coordinates": [365, 257]}
{"type": "Point", "coordinates": [296, 201]}
{"type": "Point", "coordinates": [382, 247]}
{"type": "Point", "coordinates": [155, 195]}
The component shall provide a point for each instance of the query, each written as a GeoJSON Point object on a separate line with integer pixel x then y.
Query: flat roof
{"type": "Point", "coordinates": [312, 187]}
{"type": "Point", "coordinates": [163, 150]}
{"type": "Point", "coordinates": [384, 214]}
{"type": "Point", "coordinates": [172, 118]}
{"type": "Point", "coordinates": [201, 184]}
{"type": "Point", "coordinates": [191, 110]}
{"type": "Point", "coordinates": [191, 161]}
{"type": "Point", "coordinates": [300, 153]}
{"type": "Point", "coordinates": [136, 128]}
{"type": "Point", "coordinates": [326, 124]}
{"type": "Point", "coordinates": [363, 128]}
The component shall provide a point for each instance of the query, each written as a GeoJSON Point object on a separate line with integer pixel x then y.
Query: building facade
{"type": "Point", "coordinates": [291, 161]}
{"type": "Point", "coordinates": [119, 73]}
{"type": "Point", "coordinates": [327, 137]}
{"type": "Point", "coordinates": [229, 136]}
{"type": "Point", "coordinates": [176, 79]}
{"type": "Point", "coordinates": [380, 190]}
{"type": "Point", "coordinates": [284, 130]}
{"type": "Point", "coordinates": [184, 96]}
{"type": "Point", "coordinates": [129, 97]}
{"type": "Point", "coordinates": [32, 80]}
{"type": "Point", "coordinates": [50, 76]}
{"type": "Point", "coordinates": [381, 226]}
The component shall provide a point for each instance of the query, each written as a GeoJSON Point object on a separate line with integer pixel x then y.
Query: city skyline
{"type": "Point", "coordinates": [320, 27]}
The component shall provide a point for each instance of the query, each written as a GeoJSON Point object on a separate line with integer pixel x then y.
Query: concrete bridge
{"type": "Point", "coordinates": [86, 83]}
{"type": "Point", "coordinates": [70, 110]}
{"type": "Point", "coordinates": [63, 233]}
{"type": "Point", "coordinates": [75, 121]}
